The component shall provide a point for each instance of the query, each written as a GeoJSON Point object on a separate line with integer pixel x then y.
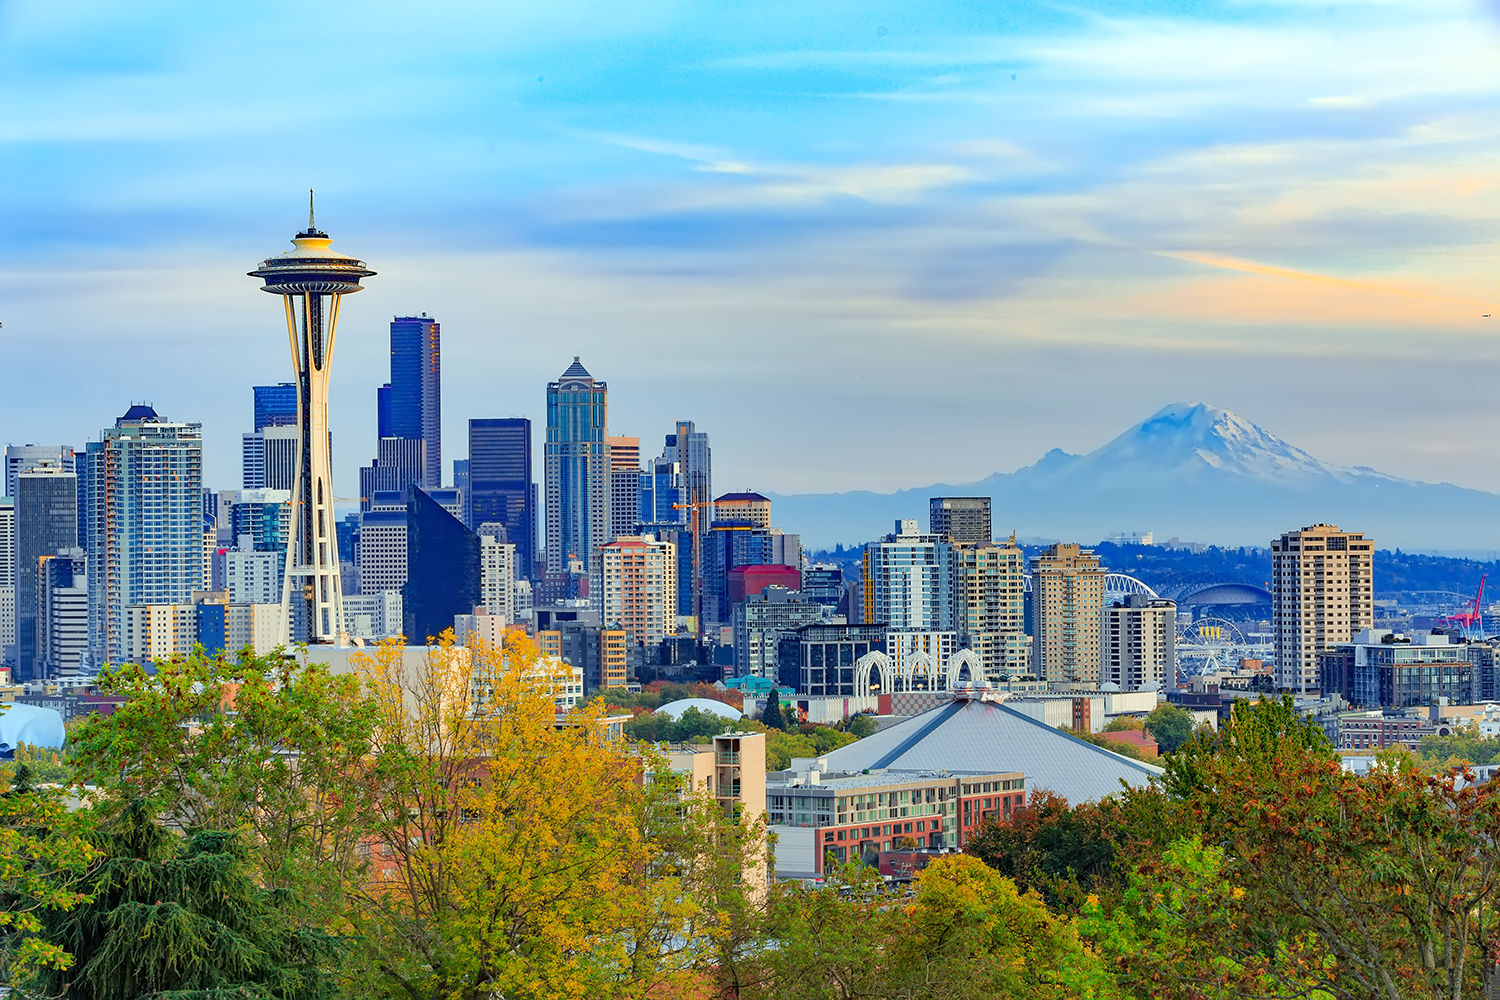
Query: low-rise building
{"type": "Point", "coordinates": [1383, 669]}
{"type": "Point", "coordinates": [855, 815]}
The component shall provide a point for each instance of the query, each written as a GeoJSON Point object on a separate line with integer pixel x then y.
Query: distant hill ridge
{"type": "Point", "coordinates": [1190, 470]}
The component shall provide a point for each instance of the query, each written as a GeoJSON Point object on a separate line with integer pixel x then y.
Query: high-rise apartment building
{"type": "Point", "coordinates": [410, 405]}
{"type": "Point", "coordinates": [501, 489]}
{"type": "Point", "coordinates": [964, 520]}
{"type": "Point", "coordinates": [1322, 592]}
{"type": "Point", "coordinates": [62, 614]}
{"type": "Point", "coordinates": [624, 484]}
{"type": "Point", "coordinates": [144, 511]}
{"type": "Point", "coordinates": [910, 579]}
{"type": "Point", "coordinates": [21, 457]}
{"type": "Point", "coordinates": [1139, 636]}
{"type": "Point", "coordinates": [1067, 600]}
{"type": "Point", "coordinates": [46, 511]}
{"type": "Point", "coordinates": [577, 470]}
{"type": "Point", "coordinates": [497, 572]}
{"type": "Point", "coordinates": [261, 520]}
{"type": "Point", "coordinates": [991, 590]}
{"type": "Point", "coordinates": [639, 593]}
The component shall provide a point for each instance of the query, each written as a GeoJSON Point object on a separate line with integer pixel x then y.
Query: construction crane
{"type": "Point", "coordinates": [694, 529]}
{"type": "Point", "coordinates": [1473, 619]}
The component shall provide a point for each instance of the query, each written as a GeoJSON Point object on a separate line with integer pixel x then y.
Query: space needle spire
{"type": "Point", "coordinates": [312, 279]}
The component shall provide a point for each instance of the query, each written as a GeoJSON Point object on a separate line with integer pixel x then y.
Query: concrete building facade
{"type": "Point", "coordinates": [1139, 636]}
{"type": "Point", "coordinates": [962, 520]}
{"type": "Point", "coordinates": [640, 588]}
{"type": "Point", "coordinates": [1067, 599]}
{"type": "Point", "coordinates": [1322, 592]}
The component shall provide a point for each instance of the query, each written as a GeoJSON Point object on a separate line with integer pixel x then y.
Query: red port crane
{"type": "Point", "coordinates": [1473, 619]}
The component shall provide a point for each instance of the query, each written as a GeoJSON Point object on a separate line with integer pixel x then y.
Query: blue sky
{"type": "Point", "coordinates": [863, 245]}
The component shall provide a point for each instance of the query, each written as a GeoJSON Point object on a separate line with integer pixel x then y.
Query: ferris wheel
{"type": "Point", "coordinates": [1210, 644]}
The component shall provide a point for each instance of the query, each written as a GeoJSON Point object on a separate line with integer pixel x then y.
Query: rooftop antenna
{"type": "Point", "coordinates": [310, 225]}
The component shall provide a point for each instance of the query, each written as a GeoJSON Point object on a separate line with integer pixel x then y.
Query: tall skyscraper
{"type": "Point", "coordinates": [624, 485]}
{"type": "Point", "coordinates": [661, 492]}
{"type": "Point", "coordinates": [963, 520]}
{"type": "Point", "coordinates": [20, 457]}
{"type": "Point", "coordinates": [1322, 592]}
{"type": "Point", "coordinates": [8, 579]}
{"type": "Point", "coordinates": [688, 448]}
{"type": "Point", "coordinates": [269, 457]}
{"type": "Point", "coordinates": [442, 568]}
{"type": "Point", "coordinates": [312, 279]}
{"type": "Point", "coordinates": [1067, 600]}
{"type": "Point", "coordinates": [46, 522]}
{"type": "Point", "coordinates": [275, 405]}
{"type": "Point", "coordinates": [577, 470]}
{"type": "Point", "coordinates": [144, 513]}
{"type": "Point", "coordinates": [410, 405]}
{"type": "Point", "coordinates": [500, 487]}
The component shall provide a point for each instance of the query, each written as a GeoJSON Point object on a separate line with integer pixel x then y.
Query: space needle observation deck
{"type": "Point", "coordinates": [312, 279]}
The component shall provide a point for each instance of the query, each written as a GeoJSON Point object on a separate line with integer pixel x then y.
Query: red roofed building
{"type": "Point", "coordinates": [747, 580]}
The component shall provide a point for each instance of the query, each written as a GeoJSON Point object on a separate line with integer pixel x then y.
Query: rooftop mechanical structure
{"type": "Point", "coordinates": [312, 280]}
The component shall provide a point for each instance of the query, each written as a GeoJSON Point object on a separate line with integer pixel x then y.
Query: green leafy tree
{"type": "Point", "coordinates": [1170, 726]}
{"type": "Point", "coordinates": [166, 919]}
{"type": "Point", "coordinates": [268, 745]}
{"type": "Point", "coordinates": [1124, 724]}
{"type": "Point", "coordinates": [1052, 848]}
{"type": "Point", "coordinates": [860, 725]}
{"type": "Point", "coordinates": [44, 852]}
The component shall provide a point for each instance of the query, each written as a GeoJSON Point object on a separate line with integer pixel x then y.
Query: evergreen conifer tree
{"type": "Point", "coordinates": [771, 715]}
{"type": "Point", "coordinates": [174, 919]}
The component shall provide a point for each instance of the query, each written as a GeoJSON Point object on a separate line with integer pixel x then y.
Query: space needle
{"type": "Point", "coordinates": [311, 280]}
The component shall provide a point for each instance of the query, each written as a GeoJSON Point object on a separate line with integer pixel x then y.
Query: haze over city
{"type": "Point", "coordinates": [924, 243]}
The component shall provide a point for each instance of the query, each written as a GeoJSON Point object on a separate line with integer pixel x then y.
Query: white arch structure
{"type": "Point", "coordinates": [915, 665]}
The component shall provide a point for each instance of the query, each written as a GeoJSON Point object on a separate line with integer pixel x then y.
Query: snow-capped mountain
{"type": "Point", "coordinates": [1190, 470]}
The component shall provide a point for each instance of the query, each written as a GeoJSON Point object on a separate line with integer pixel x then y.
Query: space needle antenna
{"type": "Point", "coordinates": [310, 226]}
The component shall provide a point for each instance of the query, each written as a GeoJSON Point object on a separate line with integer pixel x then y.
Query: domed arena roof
{"type": "Point", "coordinates": [39, 727]}
{"type": "Point", "coordinates": [674, 709]}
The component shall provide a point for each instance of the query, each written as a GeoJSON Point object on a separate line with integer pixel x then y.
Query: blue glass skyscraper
{"type": "Point", "coordinates": [275, 405]}
{"type": "Point", "coordinates": [410, 405]}
{"type": "Point", "coordinates": [500, 487]}
{"type": "Point", "coordinates": [578, 469]}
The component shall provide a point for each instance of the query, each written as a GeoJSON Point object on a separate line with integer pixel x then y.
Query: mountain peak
{"type": "Point", "coordinates": [1184, 437]}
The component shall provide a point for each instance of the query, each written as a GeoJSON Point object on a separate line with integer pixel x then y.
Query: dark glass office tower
{"type": "Point", "coordinates": [442, 568]}
{"type": "Point", "coordinates": [275, 405]}
{"type": "Point", "coordinates": [500, 486]}
{"type": "Point", "coordinates": [46, 511]}
{"type": "Point", "coordinates": [410, 405]}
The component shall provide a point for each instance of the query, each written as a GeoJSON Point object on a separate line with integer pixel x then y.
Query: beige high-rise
{"type": "Point", "coordinates": [992, 595]}
{"type": "Point", "coordinates": [1067, 601]}
{"type": "Point", "coordinates": [640, 589]}
{"type": "Point", "coordinates": [1322, 592]}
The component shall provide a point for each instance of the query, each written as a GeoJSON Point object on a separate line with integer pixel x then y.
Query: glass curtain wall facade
{"type": "Point", "coordinates": [577, 470]}
{"type": "Point", "coordinates": [501, 490]}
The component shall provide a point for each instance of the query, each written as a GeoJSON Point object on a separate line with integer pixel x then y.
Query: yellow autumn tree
{"type": "Point", "coordinates": [515, 850]}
